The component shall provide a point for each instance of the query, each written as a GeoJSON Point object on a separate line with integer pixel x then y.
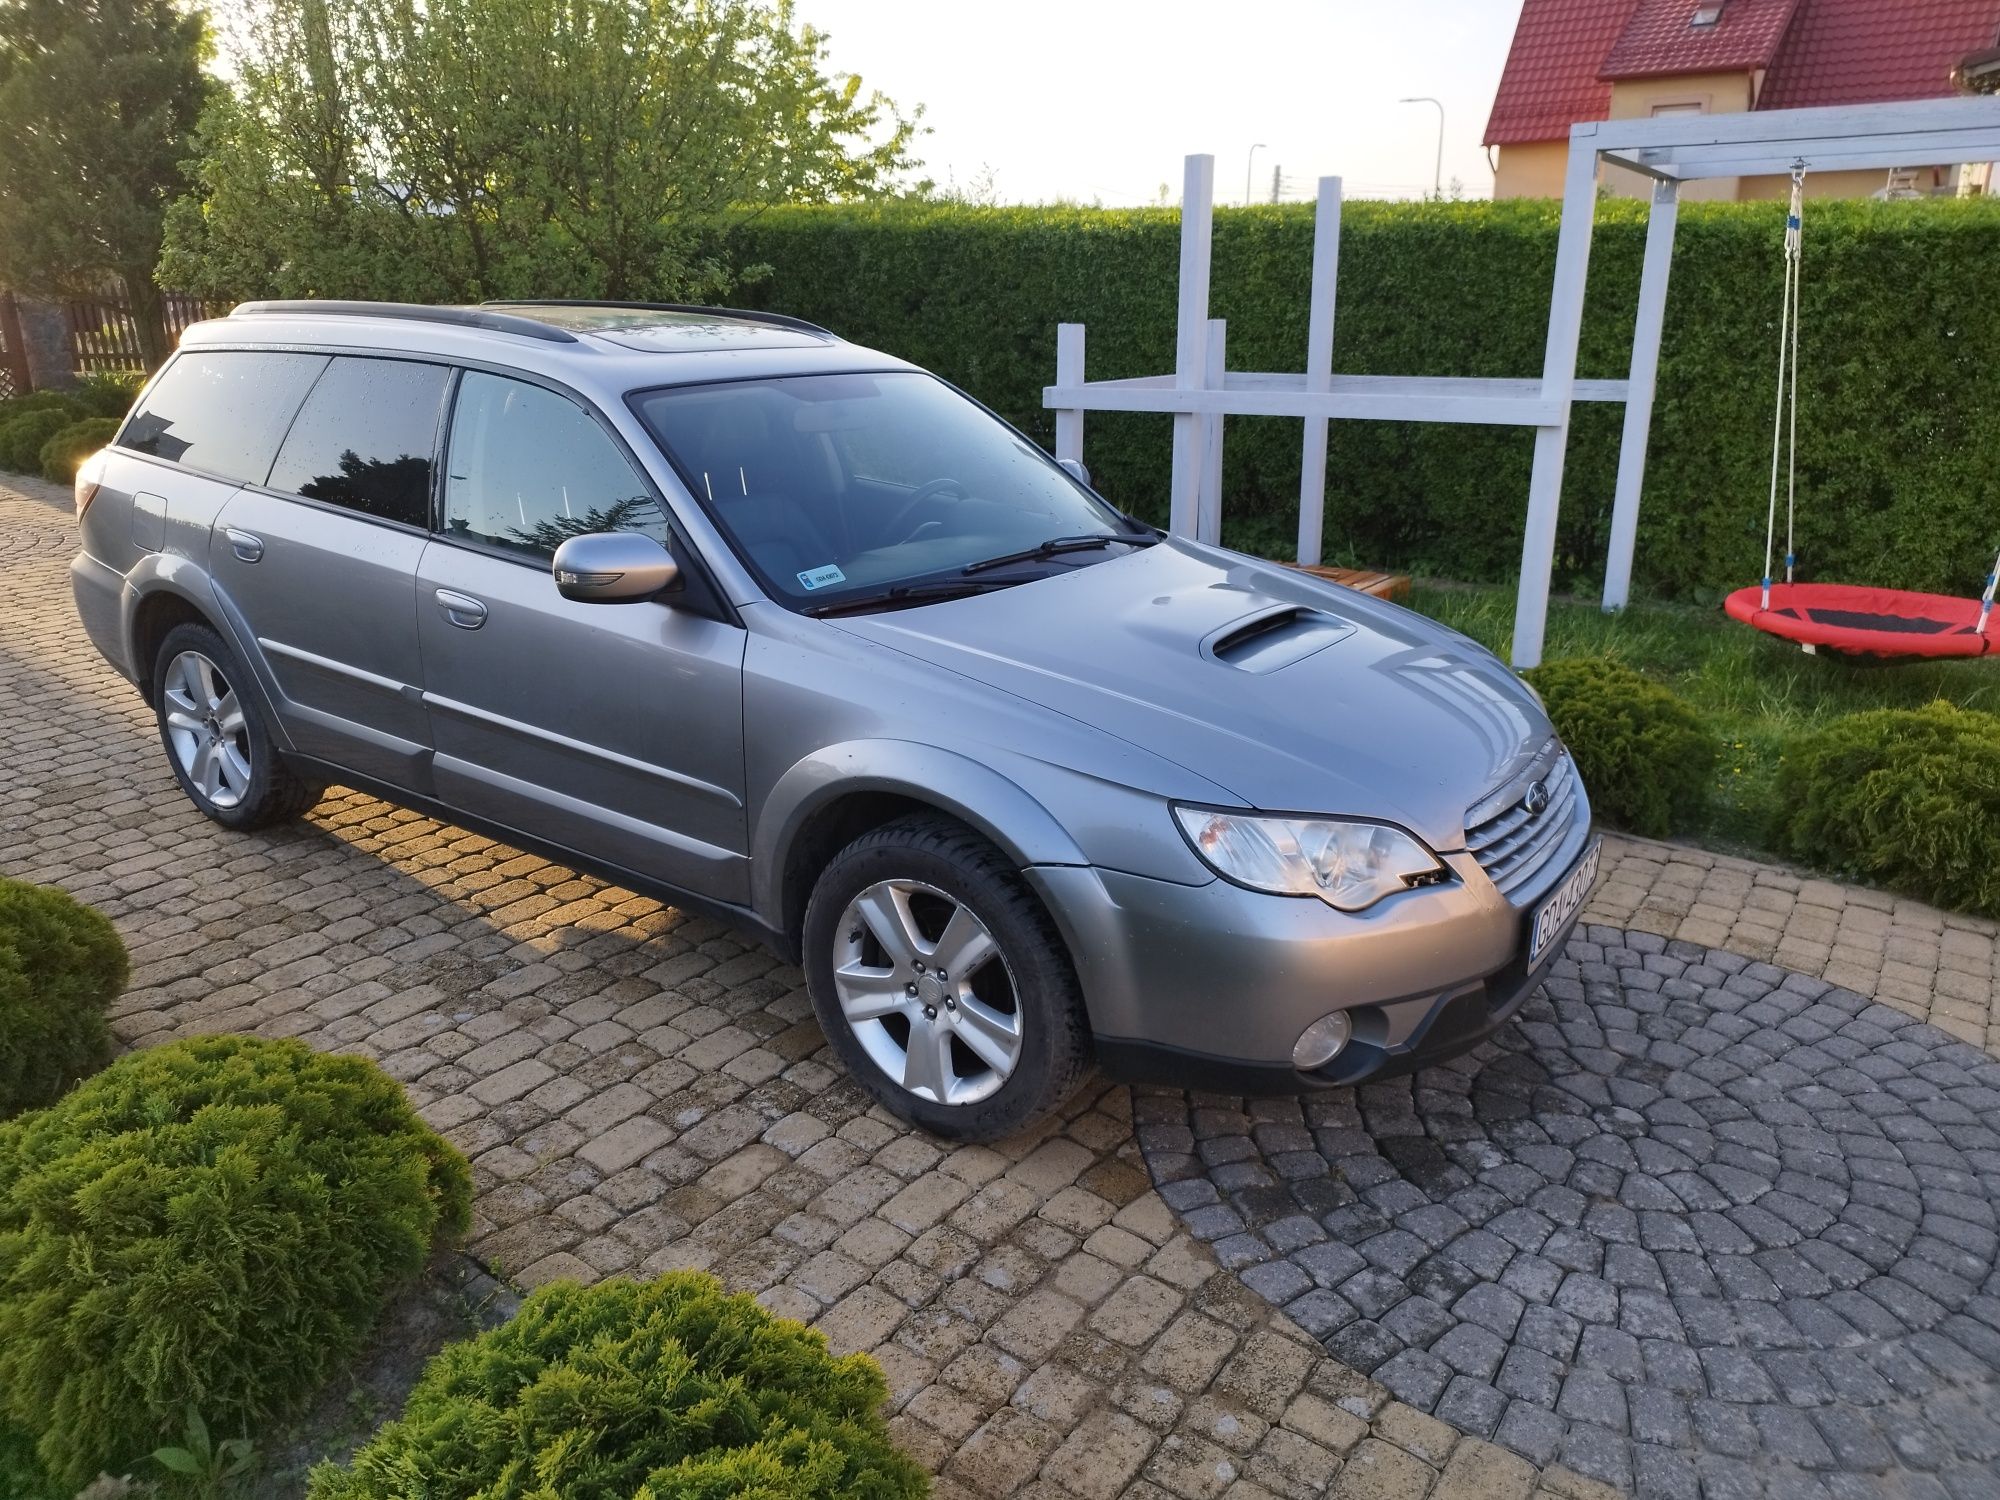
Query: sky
{"type": "Point", "coordinates": [1100, 100]}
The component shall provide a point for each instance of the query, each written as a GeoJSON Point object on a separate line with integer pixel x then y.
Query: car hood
{"type": "Point", "coordinates": [1296, 695]}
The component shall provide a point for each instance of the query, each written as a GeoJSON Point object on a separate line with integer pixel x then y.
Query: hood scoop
{"type": "Point", "coordinates": [1274, 638]}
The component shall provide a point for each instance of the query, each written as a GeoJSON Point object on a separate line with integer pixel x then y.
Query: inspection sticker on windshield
{"type": "Point", "coordinates": [819, 578]}
{"type": "Point", "coordinates": [1553, 918]}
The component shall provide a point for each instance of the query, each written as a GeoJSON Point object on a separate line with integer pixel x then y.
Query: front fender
{"type": "Point", "coordinates": [955, 784]}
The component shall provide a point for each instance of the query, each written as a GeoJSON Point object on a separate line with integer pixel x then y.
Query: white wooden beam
{"type": "Point", "coordinates": [1639, 403]}
{"type": "Point", "coordinates": [1366, 398]}
{"type": "Point", "coordinates": [1069, 372]}
{"type": "Point", "coordinates": [1538, 544]}
{"type": "Point", "coordinates": [1208, 512]}
{"type": "Point", "coordinates": [1788, 129]}
{"type": "Point", "coordinates": [1191, 342]}
{"type": "Point", "coordinates": [1319, 368]}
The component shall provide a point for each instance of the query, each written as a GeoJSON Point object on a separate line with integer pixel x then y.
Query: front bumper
{"type": "Point", "coordinates": [1208, 987]}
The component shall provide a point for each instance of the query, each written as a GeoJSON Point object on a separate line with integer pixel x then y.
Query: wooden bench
{"type": "Point", "coordinates": [1392, 586]}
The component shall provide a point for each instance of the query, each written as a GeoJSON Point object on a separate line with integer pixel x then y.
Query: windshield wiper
{"type": "Point", "coordinates": [910, 593]}
{"type": "Point", "coordinates": [1056, 544]}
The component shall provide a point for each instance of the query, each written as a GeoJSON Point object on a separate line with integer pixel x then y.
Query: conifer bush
{"type": "Point", "coordinates": [22, 436]}
{"type": "Point", "coordinates": [628, 1390]}
{"type": "Point", "coordinates": [212, 1223]}
{"type": "Point", "coordinates": [63, 453]}
{"type": "Point", "coordinates": [1906, 798]}
{"type": "Point", "coordinates": [1645, 756]}
{"type": "Point", "coordinates": [61, 964]}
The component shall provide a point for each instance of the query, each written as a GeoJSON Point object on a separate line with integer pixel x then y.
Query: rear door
{"type": "Point", "coordinates": [612, 729]}
{"type": "Point", "coordinates": [321, 563]}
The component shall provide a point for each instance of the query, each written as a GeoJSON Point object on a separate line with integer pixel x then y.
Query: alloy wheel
{"type": "Point", "coordinates": [206, 728]}
{"type": "Point", "coordinates": [926, 991]}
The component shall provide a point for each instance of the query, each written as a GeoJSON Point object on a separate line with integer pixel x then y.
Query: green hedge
{"type": "Point", "coordinates": [22, 435]}
{"type": "Point", "coordinates": [661, 1389]}
{"type": "Point", "coordinates": [214, 1222]}
{"type": "Point", "coordinates": [1899, 383]}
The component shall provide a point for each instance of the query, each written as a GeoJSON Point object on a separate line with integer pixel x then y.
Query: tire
{"type": "Point", "coordinates": [216, 741]}
{"type": "Point", "coordinates": [908, 1029]}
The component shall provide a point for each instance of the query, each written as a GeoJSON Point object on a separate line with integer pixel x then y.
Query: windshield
{"type": "Point", "coordinates": [838, 488]}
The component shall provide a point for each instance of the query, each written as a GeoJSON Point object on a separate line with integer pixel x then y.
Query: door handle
{"type": "Point", "coordinates": [464, 611]}
{"type": "Point", "coordinates": [247, 547]}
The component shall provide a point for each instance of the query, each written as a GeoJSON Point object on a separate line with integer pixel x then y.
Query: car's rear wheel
{"type": "Point", "coordinates": [941, 981]}
{"type": "Point", "coordinates": [215, 737]}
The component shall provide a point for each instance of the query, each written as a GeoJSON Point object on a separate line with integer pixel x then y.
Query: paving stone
{"type": "Point", "coordinates": [1702, 1183]}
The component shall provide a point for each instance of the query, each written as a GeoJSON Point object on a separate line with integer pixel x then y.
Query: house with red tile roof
{"type": "Point", "coordinates": [1623, 59]}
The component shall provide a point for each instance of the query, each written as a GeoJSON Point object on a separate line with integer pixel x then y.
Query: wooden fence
{"type": "Point", "coordinates": [105, 338]}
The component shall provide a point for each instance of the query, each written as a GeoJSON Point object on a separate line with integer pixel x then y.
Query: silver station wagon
{"type": "Point", "coordinates": [723, 608]}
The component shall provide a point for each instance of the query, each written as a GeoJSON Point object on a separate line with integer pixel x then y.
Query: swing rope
{"type": "Point", "coordinates": [1788, 390]}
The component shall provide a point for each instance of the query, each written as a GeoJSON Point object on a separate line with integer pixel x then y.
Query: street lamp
{"type": "Point", "coordinates": [1437, 180]}
{"type": "Point", "coordinates": [1249, 165]}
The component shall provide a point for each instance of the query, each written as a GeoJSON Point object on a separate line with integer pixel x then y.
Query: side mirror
{"type": "Point", "coordinates": [612, 567]}
{"type": "Point", "coordinates": [1075, 469]}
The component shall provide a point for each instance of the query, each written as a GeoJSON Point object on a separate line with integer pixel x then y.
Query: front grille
{"type": "Point", "coordinates": [1513, 843]}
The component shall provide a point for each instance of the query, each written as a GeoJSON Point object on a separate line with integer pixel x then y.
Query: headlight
{"type": "Point", "coordinates": [1347, 865]}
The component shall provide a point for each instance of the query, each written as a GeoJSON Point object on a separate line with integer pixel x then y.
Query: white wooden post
{"type": "Point", "coordinates": [1319, 368]}
{"type": "Point", "coordinates": [1069, 375]}
{"type": "Point", "coordinates": [1639, 393]}
{"type": "Point", "coordinates": [1191, 345]}
{"type": "Point", "coordinates": [1208, 515]}
{"type": "Point", "coordinates": [1538, 545]}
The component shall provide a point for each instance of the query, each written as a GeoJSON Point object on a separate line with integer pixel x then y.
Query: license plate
{"type": "Point", "coordinates": [1552, 916]}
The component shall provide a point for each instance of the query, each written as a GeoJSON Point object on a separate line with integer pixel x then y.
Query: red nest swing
{"type": "Point", "coordinates": [1886, 625]}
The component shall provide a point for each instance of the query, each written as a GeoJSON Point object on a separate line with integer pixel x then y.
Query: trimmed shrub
{"type": "Point", "coordinates": [1902, 797]}
{"type": "Point", "coordinates": [61, 964]}
{"type": "Point", "coordinates": [1645, 756]}
{"type": "Point", "coordinates": [21, 437]}
{"type": "Point", "coordinates": [18, 406]}
{"type": "Point", "coordinates": [214, 1222]}
{"type": "Point", "coordinates": [62, 454]}
{"type": "Point", "coordinates": [109, 394]}
{"type": "Point", "coordinates": [663, 1389]}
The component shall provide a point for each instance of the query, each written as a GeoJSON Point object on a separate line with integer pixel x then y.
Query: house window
{"type": "Point", "coordinates": [1678, 107]}
{"type": "Point", "coordinates": [1708, 14]}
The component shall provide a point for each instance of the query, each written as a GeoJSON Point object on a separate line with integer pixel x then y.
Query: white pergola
{"type": "Point", "coordinates": [1670, 150]}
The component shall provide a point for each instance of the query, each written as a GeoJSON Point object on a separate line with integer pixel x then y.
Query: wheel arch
{"type": "Point", "coordinates": [154, 613]}
{"type": "Point", "coordinates": [831, 798]}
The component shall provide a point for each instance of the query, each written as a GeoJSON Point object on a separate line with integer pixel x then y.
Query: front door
{"type": "Point", "coordinates": [320, 565]}
{"type": "Point", "coordinates": [612, 729]}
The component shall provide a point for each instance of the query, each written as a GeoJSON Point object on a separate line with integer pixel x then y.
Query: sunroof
{"type": "Point", "coordinates": [666, 328]}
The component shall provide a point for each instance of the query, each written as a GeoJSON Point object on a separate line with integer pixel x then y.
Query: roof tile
{"type": "Point", "coordinates": [1551, 78]}
{"type": "Point", "coordinates": [1866, 52]}
{"type": "Point", "coordinates": [1662, 38]}
{"type": "Point", "coordinates": [1816, 52]}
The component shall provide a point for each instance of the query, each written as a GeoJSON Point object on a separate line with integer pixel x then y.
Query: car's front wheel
{"type": "Point", "coordinates": [215, 736]}
{"type": "Point", "coordinates": [941, 981]}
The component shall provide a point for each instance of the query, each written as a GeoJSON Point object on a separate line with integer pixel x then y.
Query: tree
{"type": "Point", "coordinates": [98, 100]}
{"type": "Point", "coordinates": [466, 149]}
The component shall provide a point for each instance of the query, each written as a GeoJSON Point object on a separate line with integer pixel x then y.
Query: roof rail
{"type": "Point", "coordinates": [780, 320]}
{"type": "Point", "coordinates": [415, 312]}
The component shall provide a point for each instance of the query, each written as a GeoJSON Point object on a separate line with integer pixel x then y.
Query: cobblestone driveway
{"type": "Point", "coordinates": [639, 1090]}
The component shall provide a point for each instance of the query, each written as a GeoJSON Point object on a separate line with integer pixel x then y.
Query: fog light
{"type": "Point", "coordinates": [1320, 1043]}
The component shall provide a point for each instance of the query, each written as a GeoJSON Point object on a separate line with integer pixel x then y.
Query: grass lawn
{"type": "Point", "coordinates": [1760, 694]}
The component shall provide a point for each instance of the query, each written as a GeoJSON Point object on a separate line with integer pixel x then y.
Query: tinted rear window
{"type": "Point", "coordinates": [223, 410]}
{"type": "Point", "coordinates": [365, 439]}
